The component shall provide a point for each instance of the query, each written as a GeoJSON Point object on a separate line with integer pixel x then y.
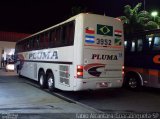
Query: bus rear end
{"type": "Point", "coordinates": [101, 59]}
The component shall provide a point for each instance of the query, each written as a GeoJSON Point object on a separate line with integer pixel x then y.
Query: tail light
{"type": "Point", "coordinates": [123, 71]}
{"type": "Point", "coordinates": [79, 71]}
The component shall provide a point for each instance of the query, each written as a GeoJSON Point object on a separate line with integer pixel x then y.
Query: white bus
{"type": "Point", "coordinates": [85, 52]}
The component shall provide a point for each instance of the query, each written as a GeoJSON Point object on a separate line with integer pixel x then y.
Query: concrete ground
{"type": "Point", "coordinates": [17, 96]}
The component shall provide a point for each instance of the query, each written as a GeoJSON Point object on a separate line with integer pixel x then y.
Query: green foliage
{"type": "Point", "coordinates": [151, 25]}
{"type": "Point", "coordinates": [136, 20]}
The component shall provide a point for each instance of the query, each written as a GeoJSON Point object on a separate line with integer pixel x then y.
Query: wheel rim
{"type": "Point", "coordinates": [50, 82]}
{"type": "Point", "coordinates": [41, 80]}
{"type": "Point", "coordinates": [132, 82]}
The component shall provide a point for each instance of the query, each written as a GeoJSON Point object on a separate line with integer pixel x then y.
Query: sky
{"type": "Point", "coordinates": [30, 16]}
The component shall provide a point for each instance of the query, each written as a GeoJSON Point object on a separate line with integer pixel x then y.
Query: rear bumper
{"type": "Point", "coordinates": [95, 84]}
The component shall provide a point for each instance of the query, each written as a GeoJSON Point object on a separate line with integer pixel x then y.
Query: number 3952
{"type": "Point", "coordinates": [103, 41]}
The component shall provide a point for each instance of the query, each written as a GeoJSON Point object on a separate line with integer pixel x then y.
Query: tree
{"type": "Point", "coordinates": [136, 20]}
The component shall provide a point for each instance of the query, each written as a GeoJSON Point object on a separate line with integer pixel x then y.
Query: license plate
{"type": "Point", "coordinates": [103, 84]}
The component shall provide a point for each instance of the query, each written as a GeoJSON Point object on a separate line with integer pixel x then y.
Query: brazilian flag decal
{"type": "Point", "coordinates": [104, 30]}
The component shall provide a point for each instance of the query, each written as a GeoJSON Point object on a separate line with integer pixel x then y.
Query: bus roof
{"type": "Point", "coordinates": [66, 21]}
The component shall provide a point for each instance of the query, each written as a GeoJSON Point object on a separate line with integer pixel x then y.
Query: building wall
{"type": "Point", "coordinates": [12, 36]}
{"type": "Point", "coordinates": [6, 45]}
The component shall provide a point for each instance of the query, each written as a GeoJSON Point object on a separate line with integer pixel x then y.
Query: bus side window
{"type": "Point", "coordinates": [41, 41]}
{"type": "Point", "coordinates": [34, 43]}
{"type": "Point", "coordinates": [22, 46]}
{"type": "Point", "coordinates": [149, 39]}
{"type": "Point", "coordinates": [128, 44]}
{"type": "Point", "coordinates": [19, 46]}
{"type": "Point", "coordinates": [71, 30]}
{"type": "Point", "coordinates": [145, 44]}
{"type": "Point", "coordinates": [125, 45]}
{"type": "Point", "coordinates": [31, 43]}
{"type": "Point", "coordinates": [139, 45]}
{"type": "Point", "coordinates": [133, 46]}
{"type": "Point", "coordinates": [58, 37]}
{"type": "Point", "coordinates": [52, 39]}
{"type": "Point", "coordinates": [64, 35]}
{"type": "Point", "coordinates": [67, 34]}
{"type": "Point", "coordinates": [46, 39]}
{"type": "Point", "coordinates": [27, 45]}
{"type": "Point", "coordinates": [37, 42]}
{"type": "Point", "coordinates": [156, 44]}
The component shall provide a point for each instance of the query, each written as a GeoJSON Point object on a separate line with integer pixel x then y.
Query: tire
{"type": "Point", "coordinates": [132, 82]}
{"type": "Point", "coordinates": [51, 82]}
{"type": "Point", "coordinates": [42, 80]}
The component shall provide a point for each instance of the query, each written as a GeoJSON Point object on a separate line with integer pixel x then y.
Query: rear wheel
{"type": "Point", "coordinates": [51, 82]}
{"type": "Point", "coordinates": [42, 80]}
{"type": "Point", "coordinates": [132, 82]}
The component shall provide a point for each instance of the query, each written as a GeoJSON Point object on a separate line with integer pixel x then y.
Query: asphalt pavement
{"type": "Point", "coordinates": [19, 99]}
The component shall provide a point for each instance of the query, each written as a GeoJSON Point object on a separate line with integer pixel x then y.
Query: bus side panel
{"type": "Point", "coordinates": [78, 47]}
{"type": "Point", "coordinates": [143, 51]}
{"type": "Point", "coordinates": [61, 65]}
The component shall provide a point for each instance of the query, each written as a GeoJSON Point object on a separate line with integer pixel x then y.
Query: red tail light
{"type": "Point", "coordinates": [123, 71]}
{"type": "Point", "coordinates": [79, 71]}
